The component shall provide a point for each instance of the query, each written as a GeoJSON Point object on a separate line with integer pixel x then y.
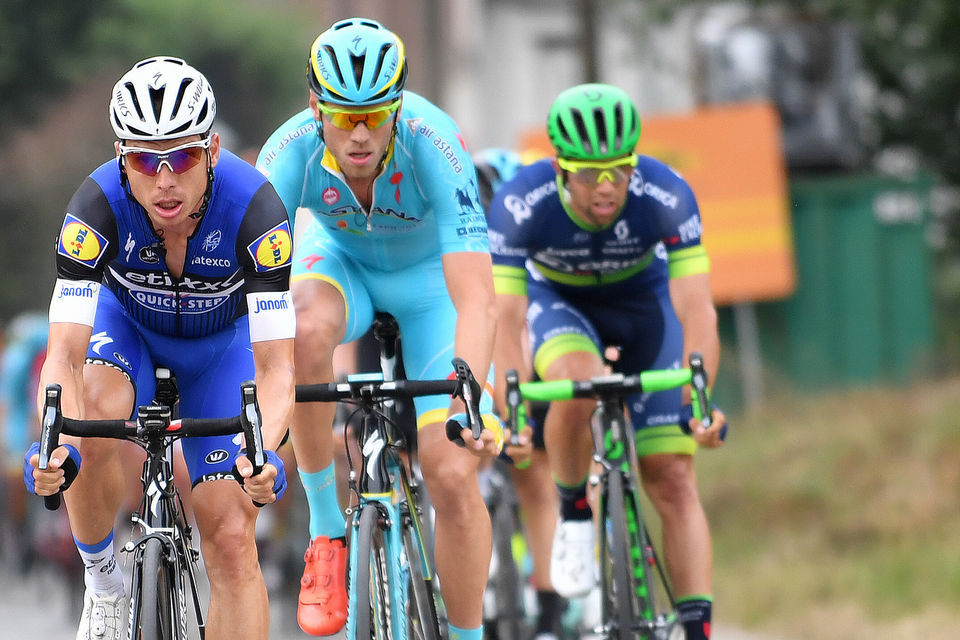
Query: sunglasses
{"type": "Point", "coordinates": [178, 159]}
{"type": "Point", "coordinates": [347, 118]}
{"type": "Point", "coordinates": [616, 171]}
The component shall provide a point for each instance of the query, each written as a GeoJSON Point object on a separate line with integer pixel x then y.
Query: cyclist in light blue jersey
{"type": "Point", "coordinates": [599, 247]}
{"type": "Point", "coordinates": [383, 182]}
{"type": "Point", "coordinates": [175, 253]}
{"type": "Point", "coordinates": [23, 353]}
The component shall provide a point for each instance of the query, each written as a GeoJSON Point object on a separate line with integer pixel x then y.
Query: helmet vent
{"type": "Point", "coordinates": [156, 102]}
{"type": "Point", "coordinates": [602, 133]}
{"type": "Point", "coordinates": [132, 92]}
{"type": "Point", "coordinates": [582, 134]}
{"type": "Point", "coordinates": [183, 90]}
{"type": "Point", "coordinates": [384, 49]}
{"type": "Point", "coordinates": [618, 126]}
{"type": "Point", "coordinates": [180, 129]}
{"type": "Point", "coordinates": [357, 63]}
{"type": "Point", "coordinates": [336, 67]}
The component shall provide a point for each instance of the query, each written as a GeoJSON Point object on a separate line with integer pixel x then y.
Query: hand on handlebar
{"type": "Point", "coordinates": [712, 436]}
{"type": "Point", "coordinates": [60, 472]}
{"type": "Point", "coordinates": [490, 442]}
{"type": "Point", "coordinates": [267, 486]}
{"type": "Point", "coordinates": [521, 452]}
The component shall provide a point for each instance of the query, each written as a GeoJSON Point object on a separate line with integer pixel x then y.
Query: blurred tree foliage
{"type": "Point", "coordinates": [254, 54]}
{"type": "Point", "coordinates": [43, 47]}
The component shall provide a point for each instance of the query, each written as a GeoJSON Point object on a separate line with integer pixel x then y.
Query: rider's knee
{"type": "Point", "coordinates": [230, 545]}
{"type": "Point", "coordinates": [450, 483]}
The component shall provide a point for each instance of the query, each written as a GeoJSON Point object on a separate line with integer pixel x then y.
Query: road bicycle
{"type": "Point", "coordinates": [636, 599]}
{"type": "Point", "coordinates": [392, 588]}
{"type": "Point", "coordinates": [164, 557]}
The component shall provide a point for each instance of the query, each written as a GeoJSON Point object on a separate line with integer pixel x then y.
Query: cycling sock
{"type": "Point", "coordinates": [326, 518]}
{"type": "Point", "coordinates": [102, 574]}
{"type": "Point", "coordinates": [694, 613]}
{"type": "Point", "coordinates": [573, 502]}
{"type": "Point", "coordinates": [456, 633]}
{"type": "Point", "coordinates": [551, 607]}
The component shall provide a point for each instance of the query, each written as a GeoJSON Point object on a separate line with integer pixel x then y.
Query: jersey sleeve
{"type": "Point", "coordinates": [680, 224]}
{"type": "Point", "coordinates": [86, 243]}
{"type": "Point", "coordinates": [264, 249]}
{"type": "Point", "coordinates": [448, 179]}
{"type": "Point", "coordinates": [508, 232]}
{"type": "Point", "coordinates": [281, 162]}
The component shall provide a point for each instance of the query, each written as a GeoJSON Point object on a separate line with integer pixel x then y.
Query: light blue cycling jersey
{"type": "Point", "coordinates": [425, 201]}
{"type": "Point", "coordinates": [388, 258]}
{"type": "Point", "coordinates": [19, 369]}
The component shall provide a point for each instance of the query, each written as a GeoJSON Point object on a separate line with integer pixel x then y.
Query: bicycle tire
{"type": "Point", "coordinates": [619, 601]}
{"type": "Point", "coordinates": [156, 610]}
{"type": "Point", "coordinates": [373, 590]}
{"type": "Point", "coordinates": [657, 603]}
{"type": "Point", "coordinates": [422, 603]}
{"type": "Point", "coordinates": [506, 580]}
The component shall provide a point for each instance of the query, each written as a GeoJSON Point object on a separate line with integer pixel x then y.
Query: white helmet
{"type": "Point", "coordinates": [161, 98]}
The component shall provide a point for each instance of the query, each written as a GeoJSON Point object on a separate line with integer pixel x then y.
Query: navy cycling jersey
{"type": "Point", "coordinates": [242, 245]}
{"type": "Point", "coordinates": [529, 227]}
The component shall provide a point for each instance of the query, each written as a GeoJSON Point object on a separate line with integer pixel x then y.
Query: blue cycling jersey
{"type": "Point", "coordinates": [242, 245]}
{"type": "Point", "coordinates": [590, 287]}
{"type": "Point", "coordinates": [425, 201]}
{"type": "Point", "coordinates": [528, 221]}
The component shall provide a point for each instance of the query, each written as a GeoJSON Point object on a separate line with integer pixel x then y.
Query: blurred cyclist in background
{"type": "Point", "coordinates": [601, 246]}
{"type": "Point", "coordinates": [26, 346]}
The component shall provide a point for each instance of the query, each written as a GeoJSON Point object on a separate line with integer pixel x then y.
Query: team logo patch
{"type": "Point", "coordinates": [216, 456]}
{"type": "Point", "coordinates": [272, 249]}
{"type": "Point", "coordinates": [80, 242]}
{"type": "Point", "coordinates": [330, 195]}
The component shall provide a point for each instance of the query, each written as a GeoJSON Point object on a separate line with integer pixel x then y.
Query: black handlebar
{"type": "Point", "coordinates": [152, 422]}
{"type": "Point", "coordinates": [464, 386]}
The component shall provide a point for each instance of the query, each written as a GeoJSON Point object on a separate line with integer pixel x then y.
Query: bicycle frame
{"type": "Point", "coordinates": [160, 516]}
{"type": "Point", "coordinates": [619, 507]}
{"type": "Point", "coordinates": [383, 488]}
{"type": "Point", "coordinates": [165, 542]}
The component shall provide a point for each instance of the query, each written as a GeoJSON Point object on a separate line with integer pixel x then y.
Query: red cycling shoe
{"type": "Point", "coordinates": [322, 606]}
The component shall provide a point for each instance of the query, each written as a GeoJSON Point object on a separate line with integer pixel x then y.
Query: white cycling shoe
{"type": "Point", "coordinates": [573, 565]}
{"type": "Point", "coordinates": [103, 617]}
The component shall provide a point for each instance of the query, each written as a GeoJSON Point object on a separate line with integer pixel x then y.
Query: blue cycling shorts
{"type": "Point", "coordinates": [415, 295]}
{"type": "Point", "coordinates": [209, 372]}
{"type": "Point", "coordinates": [648, 332]}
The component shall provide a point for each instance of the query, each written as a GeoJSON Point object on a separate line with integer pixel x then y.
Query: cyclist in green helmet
{"type": "Point", "coordinates": [598, 247]}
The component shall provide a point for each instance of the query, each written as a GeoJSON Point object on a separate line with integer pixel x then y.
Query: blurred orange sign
{"type": "Point", "coordinates": [732, 157]}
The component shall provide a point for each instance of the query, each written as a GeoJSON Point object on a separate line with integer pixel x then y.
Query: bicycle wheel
{"type": "Point", "coordinates": [156, 608]}
{"type": "Point", "coordinates": [658, 609]}
{"type": "Point", "coordinates": [505, 583]}
{"type": "Point", "coordinates": [620, 609]}
{"type": "Point", "coordinates": [422, 605]}
{"type": "Point", "coordinates": [373, 591]}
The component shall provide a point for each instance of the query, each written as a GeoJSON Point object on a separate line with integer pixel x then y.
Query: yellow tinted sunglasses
{"type": "Point", "coordinates": [616, 171]}
{"type": "Point", "coordinates": [349, 118]}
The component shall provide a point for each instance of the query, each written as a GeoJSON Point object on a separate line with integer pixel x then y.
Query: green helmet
{"type": "Point", "coordinates": [593, 122]}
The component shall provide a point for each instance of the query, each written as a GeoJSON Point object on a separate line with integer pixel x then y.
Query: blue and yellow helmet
{"type": "Point", "coordinates": [357, 61]}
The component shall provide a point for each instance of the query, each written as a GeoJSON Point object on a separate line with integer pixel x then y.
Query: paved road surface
{"type": "Point", "coordinates": [40, 607]}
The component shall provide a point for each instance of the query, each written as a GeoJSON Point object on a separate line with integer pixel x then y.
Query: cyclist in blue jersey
{"type": "Point", "coordinates": [176, 253]}
{"type": "Point", "coordinates": [382, 180]}
{"type": "Point", "coordinates": [600, 247]}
